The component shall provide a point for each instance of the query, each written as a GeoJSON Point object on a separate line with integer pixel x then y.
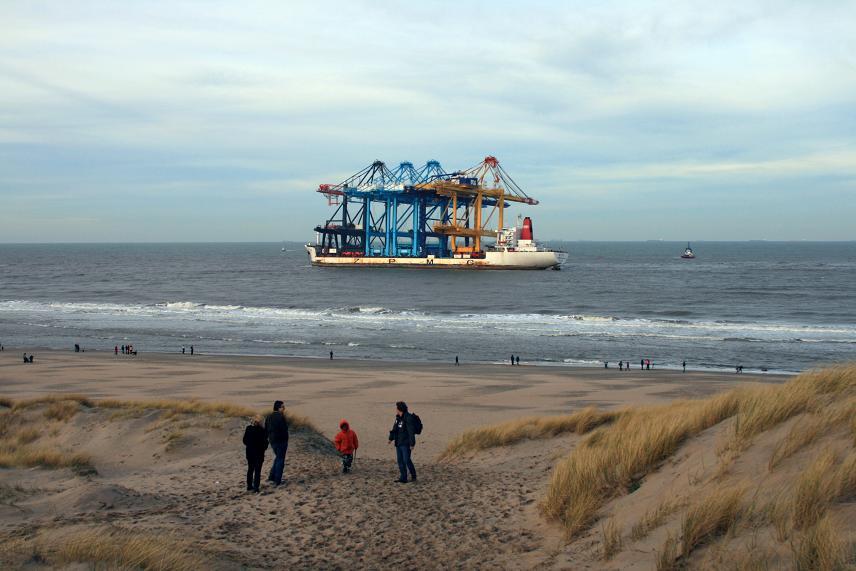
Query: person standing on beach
{"type": "Point", "coordinates": [182, 350]}
{"type": "Point", "coordinates": [456, 361]}
{"type": "Point", "coordinates": [346, 442]}
{"type": "Point", "coordinates": [403, 436]}
{"type": "Point", "coordinates": [621, 365]}
{"type": "Point", "coordinates": [191, 349]}
{"type": "Point", "coordinates": [512, 359]}
{"type": "Point", "coordinates": [276, 427]}
{"type": "Point", "coordinates": [518, 360]}
{"type": "Point", "coordinates": [641, 364]}
{"type": "Point", "coordinates": [684, 364]}
{"type": "Point", "coordinates": [255, 439]}
{"type": "Point", "coordinates": [331, 355]}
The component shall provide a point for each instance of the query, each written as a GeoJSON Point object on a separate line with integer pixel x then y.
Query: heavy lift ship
{"type": "Point", "coordinates": [428, 218]}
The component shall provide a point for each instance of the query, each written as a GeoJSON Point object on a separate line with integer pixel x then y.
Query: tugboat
{"type": "Point", "coordinates": [688, 253]}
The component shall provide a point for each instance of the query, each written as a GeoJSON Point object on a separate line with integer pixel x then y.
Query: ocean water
{"type": "Point", "coordinates": [779, 306]}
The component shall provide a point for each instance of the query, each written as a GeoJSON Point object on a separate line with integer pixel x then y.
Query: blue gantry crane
{"type": "Point", "coordinates": [413, 212]}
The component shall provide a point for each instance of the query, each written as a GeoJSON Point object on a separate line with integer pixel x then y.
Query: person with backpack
{"type": "Point", "coordinates": [256, 441]}
{"type": "Point", "coordinates": [276, 427]}
{"type": "Point", "coordinates": [346, 443]}
{"type": "Point", "coordinates": [403, 434]}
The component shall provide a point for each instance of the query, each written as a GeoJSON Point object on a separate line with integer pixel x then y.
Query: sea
{"type": "Point", "coordinates": [774, 306]}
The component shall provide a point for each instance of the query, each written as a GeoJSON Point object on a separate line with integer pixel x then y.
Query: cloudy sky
{"type": "Point", "coordinates": [207, 121]}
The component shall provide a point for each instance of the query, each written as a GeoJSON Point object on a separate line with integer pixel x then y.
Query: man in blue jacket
{"type": "Point", "coordinates": [403, 435]}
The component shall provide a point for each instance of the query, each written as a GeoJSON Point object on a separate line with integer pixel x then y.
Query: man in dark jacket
{"type": "Point", "coordinates": [255, 439]}
{"type": "Point", "coordinates": [277, 432]}
{"type": "Point", "coordinates": [403, 435]}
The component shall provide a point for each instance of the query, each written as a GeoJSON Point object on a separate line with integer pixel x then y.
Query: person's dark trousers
{"type": "Point", "coordinates": [404, 462]}
{"type": "Point", "coordinates": [278, 467]}
{"type": "Point", "coordinates": [347, 461]}
{"type": "Point", "coordinates": [254, 471]}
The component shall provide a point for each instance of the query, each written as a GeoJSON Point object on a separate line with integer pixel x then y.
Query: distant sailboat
{"type": "Point", "coordinates": [688, 253]}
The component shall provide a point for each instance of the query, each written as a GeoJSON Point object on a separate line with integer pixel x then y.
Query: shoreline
{"type": "Point", "coordinates": [582, 364]}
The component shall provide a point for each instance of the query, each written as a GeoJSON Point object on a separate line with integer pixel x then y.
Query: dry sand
{"type": "Point", "coordinates": [449, 399]}
{"type": "Point", "coordinates": [476, 513]}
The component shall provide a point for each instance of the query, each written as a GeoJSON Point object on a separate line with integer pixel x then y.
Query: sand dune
{"type": "Point", "coordinates": [161, 485]}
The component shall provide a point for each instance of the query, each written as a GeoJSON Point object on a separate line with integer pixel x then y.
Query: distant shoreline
{"type": "Point", "coordinates": [539, 364]}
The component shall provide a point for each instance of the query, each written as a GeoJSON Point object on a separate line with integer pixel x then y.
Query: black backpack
{"type": "Point", "coordinates": [417, 423]}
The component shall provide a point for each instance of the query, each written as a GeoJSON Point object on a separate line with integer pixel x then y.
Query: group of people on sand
{"type": "Point", "coordinates": [273, 431]}
{"type": "Point", "coordinates": [126, 350]}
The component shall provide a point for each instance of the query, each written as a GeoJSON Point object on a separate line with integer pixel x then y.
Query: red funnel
{"type": "Point", "coordinates": [526, 232]}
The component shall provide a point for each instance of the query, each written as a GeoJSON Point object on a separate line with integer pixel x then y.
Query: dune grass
{"type": "Point", "coordinates": [111, 548]}
{"type": "Point", "coordinates": [62, 410]}
{"type": "Point", "coordinates": [612, 460]}
{"type": "Point", "coordinates": [528, 428]}
{"type": "Point", "coordinates": [653, 519]}
{"type": "Point", "coordinates": [820, 549]}
{"type": "Point", "coordinates": [798, 437]}
{"type": "Point", "coordinates": [610, 539]}
{"type": "Point", "coordinates": [824, 481]}
{"type": "Point", "coordinates": [60, 406]}
{"type": "Point", "coordinates": [667, 556]}
{"type": "Point", "coordinates": [713, 515]}
{"type": "Point", "coordinates": [12, 456]}
{"type": "Point", "coordinates": [27, 436]}
{"type": "Point", "coordinates": [50, 399]}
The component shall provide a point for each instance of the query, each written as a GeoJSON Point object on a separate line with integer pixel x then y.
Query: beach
{"type": "Point", "coordinates": [449, 399]}
{"type": "Point", "coordinates": [116, 459]}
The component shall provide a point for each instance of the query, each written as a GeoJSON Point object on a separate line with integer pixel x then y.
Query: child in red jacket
{"type": "Point", "coordinates": [346, 443]}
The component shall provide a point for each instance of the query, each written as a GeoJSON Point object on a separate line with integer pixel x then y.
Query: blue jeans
{"type": "Point", "coordinates": [402, 453]}
{"type": "Point", "coordinates": [278, 467]}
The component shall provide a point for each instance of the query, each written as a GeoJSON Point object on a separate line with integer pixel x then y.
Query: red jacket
{"type": "Point", "coordinates": [346, 441]}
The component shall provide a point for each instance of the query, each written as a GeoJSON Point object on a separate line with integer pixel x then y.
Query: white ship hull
{"type": "Point", "coordinates": [493, 260]}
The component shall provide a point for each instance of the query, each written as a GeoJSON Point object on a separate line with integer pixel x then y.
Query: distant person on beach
{"type": "Point", "coordinates": [123, 349]}
{"type": "Point", "coordinates": [276, 427]}
{"type": "Point", "coordinates": [25, 358]}
{"type": "Point", "coordinates": [606, 364]}
{"type": "Point", "coordinates": [647, 364]}
{"type": "Point", "coordinates": [621, 365]}
{"type": "Point", "coordinates": [518, 360]}
{"type": "Point", "coordinates": [684, 364]}
{"type": "Point", "coordinates": [256, 441]}
{"type": "Point", "coordinates": [182, 350]}
{"type": "Point", "coordinates": [116, 350]}
{"type": "Point", "coordinates": [512, 359]}
{"type": "Point", "coordinates": [346, 442]}
{"type": "Point", "coordinates": [403, 435]}
{"type": "Point", "coordinates": [641, 364]}
{"type": "Point", "coordinates": [191, 349]}
{"type": "Point", "coordinates": [331, 355]}
{"type": "Point", "coordinates": [456, 361]}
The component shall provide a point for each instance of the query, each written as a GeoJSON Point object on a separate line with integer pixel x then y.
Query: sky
{"type": "Point", "coordinates": [154, 121]}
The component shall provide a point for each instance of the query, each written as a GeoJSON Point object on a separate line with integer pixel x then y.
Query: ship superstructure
{"type": "Point", "coordinates": [428, 218]}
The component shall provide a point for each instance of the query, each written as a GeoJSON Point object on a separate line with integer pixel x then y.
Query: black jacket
{"type": "Point", "coordinates": [277, 428]}
{"type": "Point", "coordinates": [402, 432]}
{"type": "Point", "coordinates": [255, 439]}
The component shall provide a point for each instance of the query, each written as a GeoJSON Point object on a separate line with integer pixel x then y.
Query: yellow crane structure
{"type": "Point", "coordinates": [475, 196]}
